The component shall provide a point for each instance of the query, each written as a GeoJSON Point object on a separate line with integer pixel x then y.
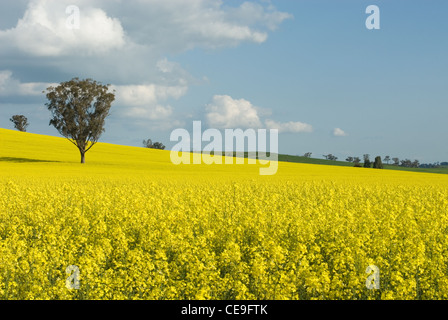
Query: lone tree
{"type": "Point", "coordinates": [20, 122]}
{"type": "Point", "coordinates": [156, 145]}
{"type": "Point", "coordinates": [378, 164]}
{"type": "Point", "coordinates": [79, 109]}
{"type": "Point", "coordinates": [387, 159]}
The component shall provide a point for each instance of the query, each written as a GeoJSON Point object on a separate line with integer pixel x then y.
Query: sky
{"type": "Point", "coordinates": [309, 68]}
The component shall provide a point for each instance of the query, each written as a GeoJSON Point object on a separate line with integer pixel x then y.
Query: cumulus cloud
{"type": "Point", "coordinates": [226, 112]}
{"type": "Point", "coordinates": [145, 101]}
{"type": "Point", "coordinates": [43, 31]}
{"type": "Point", "coordinates": [126, 45]}
{"type": "Point", "coordinates": [291, 126]}
{"type": "Point", "coordinates": [338, 132]}
{"type": "Point", "coordinates": [160, 25]}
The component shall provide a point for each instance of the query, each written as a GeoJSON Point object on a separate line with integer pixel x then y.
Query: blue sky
{"type": "Point", "coordinates": [306, 67]}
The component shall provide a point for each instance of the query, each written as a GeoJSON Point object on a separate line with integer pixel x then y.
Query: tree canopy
{"type": "Point", "coordinates": [79, 109]}
{"type": "Point", "coordinates": [156, 145]}
{"type": "Point", "coordinates": [20, 122]}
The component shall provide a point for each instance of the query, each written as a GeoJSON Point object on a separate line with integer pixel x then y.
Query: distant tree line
{"type": "Point", "coordinates": [434, 165]}
{"type": "Point", "coordinates": [378, 162]}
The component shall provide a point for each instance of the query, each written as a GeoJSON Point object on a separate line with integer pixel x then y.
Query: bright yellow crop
{"type": "Point", "coordinates": [138, 227]}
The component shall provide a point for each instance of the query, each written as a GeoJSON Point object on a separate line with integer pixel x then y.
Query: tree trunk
{"type": "Point", "coordinates": [83, 156]}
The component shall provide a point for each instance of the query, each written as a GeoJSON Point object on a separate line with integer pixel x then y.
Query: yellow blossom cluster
{"type": "Point", "coordinates": [221, 240]}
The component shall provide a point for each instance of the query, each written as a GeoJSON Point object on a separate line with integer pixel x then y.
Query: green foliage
{"type": "Point", "coordinates": [156, 145]}
{"type": "Point", "coordinates": [330, 157]}
{"type": "Point", "coordinates": [20, 122]}
{"type": "Point", "coordinates": [410, 164]}
{"type": "Point", "coordinates": [308, 155]}
{"type": "Point", "coordinates": [378, 164]}
{"type": "Point", "coordinates": [79, 109]}
{"type": "Point", "coordinates": [367, 164]}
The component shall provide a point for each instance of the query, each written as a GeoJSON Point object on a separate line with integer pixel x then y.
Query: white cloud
{"type": "Point", "coordinates": [43, 32]}
{"type": "Point", "coordinates": [226, 112]}
{"type": "Point", "coordinates": [291, 126]}
{"type": "Point", "coordinates": [125, 44]}
{"type": "Point", "coordinates": [179, 25]}
{"type": "Point", "coordinates": [160, 25]}
{"type": "Point", "coordinates": [338, 132]}
{"type": "Point", "coordinates": [9, 86]}
{"type": "Point", "coordinates": [145, 101]}
{"type": "Point", "coordinates": [254, 13]}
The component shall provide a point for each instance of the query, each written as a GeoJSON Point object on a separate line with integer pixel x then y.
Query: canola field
{"type": "Point", "coordinates": [135, 226]}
